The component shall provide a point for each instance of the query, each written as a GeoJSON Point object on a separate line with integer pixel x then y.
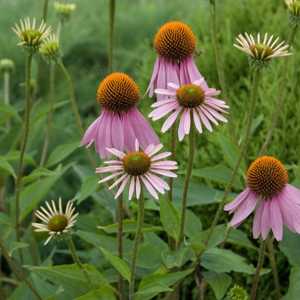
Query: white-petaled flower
{"type": "Point", "coordinates": [64, 10]}
{"type": "Point", "coordinates": [29, 34]}
{"type": "Point", "coordinates": [49, 49]}
{"type": "Point", "coordinates": [294, 10]}
{"type": "Point", "coordinates": [262, 49]}
{"type": "Point", "coordinates": [55, 221]}
{"type": "Point", "coordinates": [139, 168]}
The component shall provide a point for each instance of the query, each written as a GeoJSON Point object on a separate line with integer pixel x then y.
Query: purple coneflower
{"type": "Point", "coordinates": [268, 193]}
{"type": "Point", "coordinates": [192, 103]}
{"type": "Point", "coordinates": [175, 45]}
{"type": "Point", "coordinates": [120, 122]}
{"type": "Point", "coordinates": [139, 168]}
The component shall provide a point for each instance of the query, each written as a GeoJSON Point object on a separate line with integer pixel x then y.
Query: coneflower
{"type": "Point", "coordinates": [276, 203]}
{"type": "Point", "coordinates": [120, 122]}
{"type": "Point", "coordinates": [175, 44]}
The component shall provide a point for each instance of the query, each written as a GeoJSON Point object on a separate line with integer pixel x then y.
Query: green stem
{"type": "Point", "coordinates": [219, 64]}
{"type": "Point", "coordinates": [137, 240]}
{"type": "Point", "coordinates": [26, 122]}
{"type": "Point", "coordinates": [244, 147]}
{"type": "Point", "coordinates": [50, 113]}
{"type": "Point", "coordinates": [112, 10]}
{"type": "Point", "coordinates": [260, 263]}
{"type": "Point", "coordinates": [282, 92]}
{"type": "Point", "coordinates": [17, 270]}
{"type": "Point", "coordinates": [6, 88]}
{"type": "Point", "coordinates": [272, 259]}
{"type": "Point", "coordinates": [77, 260]}
{"type": "Point", "coordinates": [173, 149]}
{"type": "Point", "coordinates": [120, 243]}
{"type": "Point", "coordinates": [45, 10]}
{"type": "Point", "coordinates": [187, 183]}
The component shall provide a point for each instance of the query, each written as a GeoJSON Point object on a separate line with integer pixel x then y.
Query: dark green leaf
{"type": "Point", "coordinates": [88, 187]}
{"type": "Point", "coordinates": [5, 167]}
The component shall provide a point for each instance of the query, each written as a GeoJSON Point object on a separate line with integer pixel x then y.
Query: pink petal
{"type": "Point", "coordinates": [197, 121]}
{"type": "Point", "coordinates": [170, 120]}
{"type": "Point", "coordinates": [149, 187]}
{"type": "Point", "coordinates": [187, 121]}
{"type": "Point", "coordinates": [276, 219]}
{"type": "Point", "coordinates": [160, 156]}
{"type": "Point", "coordinates": [237, 201]}
{"type": "Point", "coordinates": [204, 120]}
{"type": "Point", "coordinates": [122, 187]}
{"type": "Point", "coordinates": [138, 188]}
{"type": "Point", "coordinates": [256, 228]}
{"type": "Point", "coordinates": [265, 220]}
{"type": "Point", "coordinates": [181, 131]}
{"type": "Point", "coordinates": [131, 187]}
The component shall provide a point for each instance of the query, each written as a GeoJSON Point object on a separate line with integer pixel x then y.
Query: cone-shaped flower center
{"type": "Point", "coordinates": [32, 37]}
{"type": "Point", "coordinates": [267, 176]}
{"type": "Point", "coordinates": [118, 92]}
{"type": "Point", "coordinates": [261, 51]}
{"type": "Point", "coordinates": [136, 163]}
{"type": "Point", "coordinates": [57, 223]}
{"type": "Point", "coordinates": [175, 41]}
{"type": "Point", "coordinates": [190, 95]}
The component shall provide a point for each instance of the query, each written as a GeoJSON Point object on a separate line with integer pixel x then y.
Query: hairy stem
{"type": "Point", "coordinates": [272, 259]}
{"type": "Point", "coordinates": [26, 122]}
{"type": "Point", "coordinates": [77, 260]}
{"type": "Point", "coordinates": [137, 240]}
{"type": "Point", "coordinates": [112, 10]}
{"type": "Point", "coordinates": [120, 243]}
{"type": "Point", "coordinates": [282, 92]}
{"type": "Point", "coordinates": [260, 263]}
{"type": "Point", "coordinates": [187, 183]}
{"type": "Point", "coordinates": [243, 151]}
{"type": "Point", "coordinates": [17, 270]}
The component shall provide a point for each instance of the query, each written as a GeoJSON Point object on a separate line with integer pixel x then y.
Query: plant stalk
{"type": "Point", "coordinates": [120, 243]}
{"type": "Point", "coordinates": [260, 263]}
{"type": "Point", "coordinates": [112, 12]}
{"type": "Point", "coordinates": [187, 183]}
{"type": "Point", "coordinates": [26, 122]}
{"type": "Point", "coordinates": [137, 240]}
{"type": "Point", "coordinates": [243, 152]}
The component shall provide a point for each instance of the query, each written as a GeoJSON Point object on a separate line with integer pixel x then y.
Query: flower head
{"type": "Point", "coordinates": [120, 122]}
{"type": "Point", "coordinates": [237, 293]}
{"type": "Point", "coordinates": [268, 193]}
{"type": "Point", "coordinates": [64, 10]}
{"type": "Point", "coordinates": [55, 221]}
{"type": "Point", "coordinates": [7, 65]}
{"type": "Point", "coordinates": [30, 35]}
{"type": "Point", "coordinates": [175, 41]}
{"type": "Point", "coordinates": [261, 50]}
{"type": "Point", "coordinates": [191, 103]}
{"type": "Point", "coordinates": [50, 48]}
{"type": "Point", "coordinates": [139, 168]}
{"type": "Point", "coordinates": [294, 10]}
{"type": "Point", "coordinates": [175, 44]}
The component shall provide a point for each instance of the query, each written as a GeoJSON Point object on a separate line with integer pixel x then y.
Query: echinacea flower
{"type": "Point", "coordinates": [268, 193]}
{"type": "Point", "coordinates": [175, 45]}
{"type": "Point", "coordinates": [139, 168]}
{"type": "Point", "coordinates": [55, 221]}
{"type": "Point", "coordinates": [49, 48]}
{"type": "Point", "coordinates": [64, 10]}
{"type": "Point", "coordinates": [294, 10]}
{"type": "Point", "coordinates": [30, 35]}
{"type": "Point", "coordinates": [262, 48]}
{"type": "Point", "coordinates": [120, 122]}
{"type": "Point", "coordinates": [193, 102]}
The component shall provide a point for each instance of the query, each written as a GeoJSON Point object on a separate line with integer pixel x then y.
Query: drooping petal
{"type": "Point", "coordinates": [276, 219]}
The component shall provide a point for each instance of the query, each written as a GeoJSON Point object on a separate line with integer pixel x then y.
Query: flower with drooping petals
{"type": "Point", "coordinates": [64, 10]}
{"type": "Point", "coordinates": [30, 35]}
{"type": "Point", "coordinates": [120, 122]}
{"type": "Point", "coordinates": [262, 49]}
{"type": "Point", "coordinates": [139, 168]}
{"type": "Point", "coordinates": [192, 103]}
{"type": "Point", "coordinates": [49, 48]}
{"type": "Point", "coordinates": [294, 11]}
{"type": "Point", "coordinates": [175, 44]}
{"type": "Point", "coordinates": [268, 193]}
{"type": "Point", "coordinates": [55, 221]}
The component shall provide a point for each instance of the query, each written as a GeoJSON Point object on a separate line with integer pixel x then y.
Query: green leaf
{"type": "Point", "coordinates": [61, 152]}
{"type": "Point", "coordinates": [102, 293]}
{"type": "Point", "coordinates": [15, 246]}
{"type": "Point", "coordinates": [88, 187]}
{"type": "Point", "coordinates": [5, 167]}
{"type": "Point", "coordinates": [169, 218]}
{"type": "Point", "coordinates": [177, 258]}
{"type": "Point", "coordinates": [290, 246]}
{"type": "Point", "coordinates": [240, 238]}
{"type": "Point", "coordinates": [294, 286]}
{"type": "Point", "coordinates": [32, 195]}
{"type": "Point", "coordinates": [70, 277]}
{"type": "Point", "coordinates": [120, 265]}
{"type": "Point", "coordinates": [9, 111]}
{"type": "Point", "coordinates": [219, 282]}
{"type": "Point", "coordinates": [129, 226]}
{"type": "Point", "coordinates": [154, 284]}
{"type": "Point", "coordinates": [219, 173]}
{"type": "Point", "coordinates": [37, 174]}
{"type": "Point", "coordinates": [193, 225]}
{"type": "Point", "coordinates": [221, 261]}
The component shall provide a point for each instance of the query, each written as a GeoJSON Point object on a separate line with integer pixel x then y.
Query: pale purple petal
{"type": "Point", "coordinates": [237, 201]}
{"type": "Point", "coordinates": [276, 219]}
{"type": "Point", "coordinates": [256, 228]}
{"type": "Point", "coordinates": [149, 187]}
{"type": "Point", "coordinates": [170, 120]}
{"type": "Point", "coordinates": [265, 220]}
